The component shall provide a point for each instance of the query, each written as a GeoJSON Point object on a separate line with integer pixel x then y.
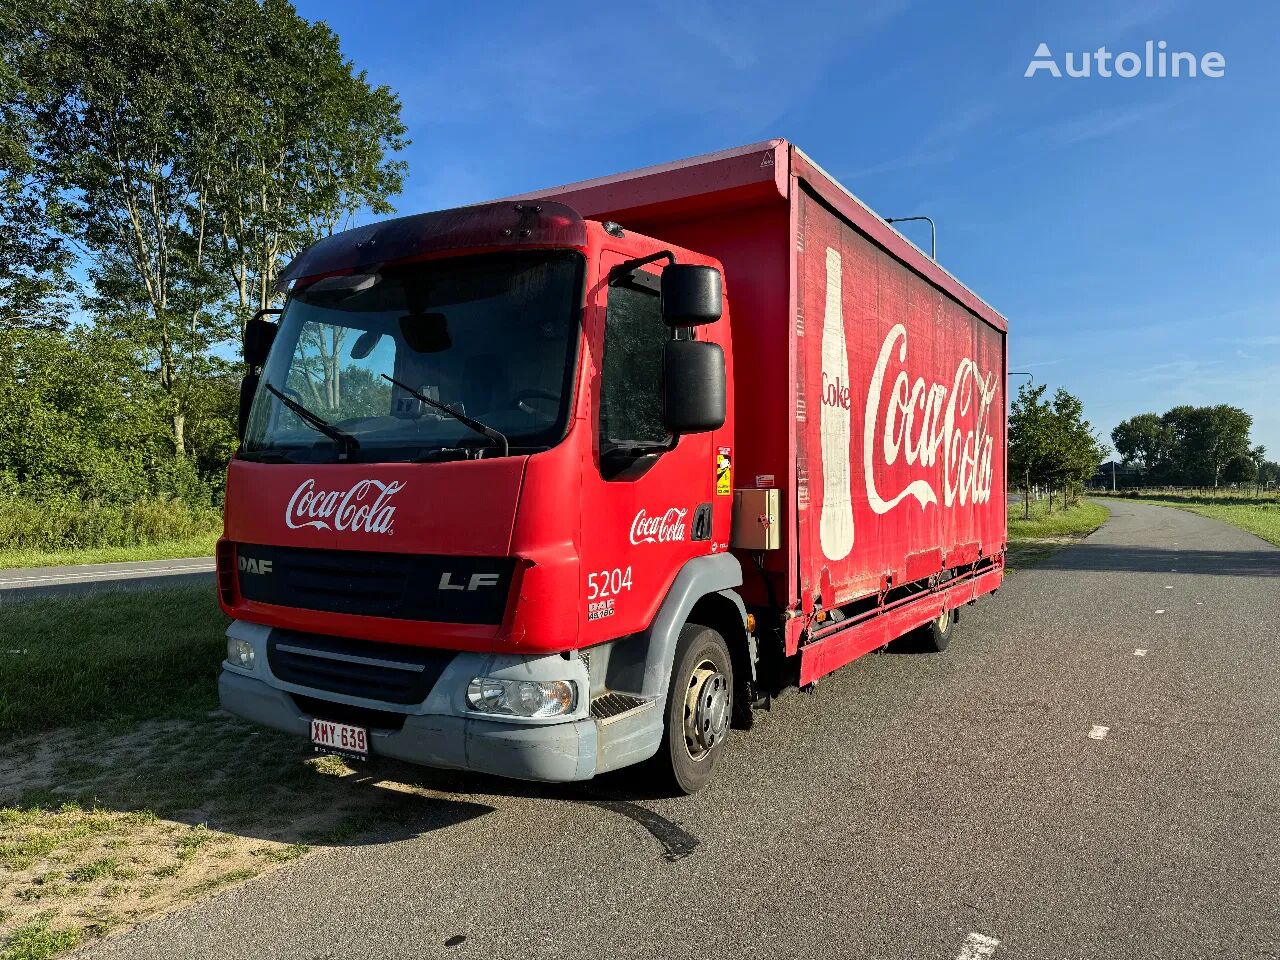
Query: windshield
{"type": "Point", "coordinates": [493, 338]}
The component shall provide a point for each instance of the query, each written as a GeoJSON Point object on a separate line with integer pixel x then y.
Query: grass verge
{"type": "Point", "coordinates": [124, 793]}
{"type": "Point", "coordinates": [115, 657]}
{"type": "Point", "coordinates": [1032, 539]}
{"type": "Point", "coordinates": [1258, 515]}
{"type": "Point", "coordinates": [196, 546]}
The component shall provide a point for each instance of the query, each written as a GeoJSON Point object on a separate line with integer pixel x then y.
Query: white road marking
{"type": "Point", "coordinates": [1199, 603]}
{"type": "Point", "coordinates": [1159, 611]}
{"type": "Point", "coordinates": [978, 947]}
{"type": "Point", "coordinates": [1168, 586]}
{"type": "Point", "coordinates": [204, 566]}
{"type": "Point", "coordinates": [1099, 732]}
{"type": "Point", "coordinates": [1139, 653]}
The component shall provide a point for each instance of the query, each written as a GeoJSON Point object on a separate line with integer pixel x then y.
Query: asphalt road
{"type": "Point", "coordinates": [23, 583]}
{"type": "Point", "coordinates": [1090, 771]}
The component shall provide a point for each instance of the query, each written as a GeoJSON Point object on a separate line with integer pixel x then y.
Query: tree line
{"type": "Point", "coordinates": [1193, 447]}
{"type": "Point", "coordinates": [160, 161]}
{"type": "Point", "coordinates": [1051, 444]}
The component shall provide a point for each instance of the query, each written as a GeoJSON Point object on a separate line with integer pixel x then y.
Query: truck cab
{"type": "Point", "coordinates": [480, 516]}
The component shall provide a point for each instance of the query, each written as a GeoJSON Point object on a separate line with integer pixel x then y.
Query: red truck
{"type": "Point", "coordinates": [565, 482]}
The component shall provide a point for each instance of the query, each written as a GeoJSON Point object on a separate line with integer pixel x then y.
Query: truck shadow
{"type": "Point", "coordinates": [1100, 557]}
{"type": "Point", "coordinates": [220, 774]}
{"type": "Point", "coordinates": [620, 792]}
{"type": "Point", "coordinates": [247, 786]}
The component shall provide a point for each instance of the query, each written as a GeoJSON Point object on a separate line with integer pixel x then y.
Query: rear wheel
{"type": "Point", "coordinates": [937, 633]}
{"type": "Point", "coordinates": [699, 709]}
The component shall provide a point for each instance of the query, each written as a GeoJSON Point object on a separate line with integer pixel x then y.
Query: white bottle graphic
{"type": "Point", "coordinates": [837, 503]}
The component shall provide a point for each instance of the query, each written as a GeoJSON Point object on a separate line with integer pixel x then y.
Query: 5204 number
{"type": "Point", "coordinates": [608, 583]}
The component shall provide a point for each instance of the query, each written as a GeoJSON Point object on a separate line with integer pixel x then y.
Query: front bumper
{"type": "Point", "coordinates": [442, 732]}
{"type": "Point", "coordinates": [560, 752]}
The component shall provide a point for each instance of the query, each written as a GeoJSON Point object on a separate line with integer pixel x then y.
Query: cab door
{"type": "Point", "coordinates": [647, 496]}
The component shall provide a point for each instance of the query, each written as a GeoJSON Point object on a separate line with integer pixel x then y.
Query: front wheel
{"type": "Point", "coordinates": [699, 708]}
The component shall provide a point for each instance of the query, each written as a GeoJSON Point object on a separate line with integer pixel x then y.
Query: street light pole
{"type": "Point", "coordinates": [933, 233]}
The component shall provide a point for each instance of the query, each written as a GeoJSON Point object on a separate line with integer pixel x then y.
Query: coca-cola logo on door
{"type": "Point", "coordinates": [362, 508]}
{"type": "Point", "coordinates": [666, 527]}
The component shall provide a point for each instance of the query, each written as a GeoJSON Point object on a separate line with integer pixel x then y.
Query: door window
{"type": "Point", "coordinates": [631, 381]}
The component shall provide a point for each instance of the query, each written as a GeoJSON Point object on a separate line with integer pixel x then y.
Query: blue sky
{"type": "Point", "coordinates": [1127, 227]}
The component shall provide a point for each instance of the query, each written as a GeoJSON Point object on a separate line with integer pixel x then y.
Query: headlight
{"type": "Point", "coordinates": [522, 698]}
{"type": "Point", "coordinates": [240, 653]}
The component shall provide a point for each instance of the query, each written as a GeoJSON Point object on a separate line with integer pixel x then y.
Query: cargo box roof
{"type": "Point", "coordinates": [740, 177]}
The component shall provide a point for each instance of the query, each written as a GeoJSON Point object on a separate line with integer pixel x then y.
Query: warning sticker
{"type": "Point", "coordinates": [724, 470]}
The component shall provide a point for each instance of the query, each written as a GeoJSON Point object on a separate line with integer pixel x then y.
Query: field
{"type": "Point", "coordinates": [124, 791]}
{"type": "Point", "coordinates": [1032, 539]}
{"type": "Point", "coordinates": [1260, 515]}
{"type": "Point", "coordinates": [65, 530]}
{"type": "Point", "coordinates": [200, 545]}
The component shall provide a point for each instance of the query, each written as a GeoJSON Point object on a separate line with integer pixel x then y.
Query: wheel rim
{"type": "Point", "coordinates": [943, 622]}
{"type": "Point", "coordinates": [706, 710]}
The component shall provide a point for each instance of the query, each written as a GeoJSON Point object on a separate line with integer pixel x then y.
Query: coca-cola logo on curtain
{"type": "Point", "coordinates": [940, 429]}
{"type": "Point", "coordinates": [943, 429]}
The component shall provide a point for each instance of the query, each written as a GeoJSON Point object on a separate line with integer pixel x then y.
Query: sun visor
{"type": "Point", "coordinates": [505, 224]}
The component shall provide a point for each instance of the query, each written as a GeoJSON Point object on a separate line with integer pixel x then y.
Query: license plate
{"type": "Point", "coordinates": [340, 738]}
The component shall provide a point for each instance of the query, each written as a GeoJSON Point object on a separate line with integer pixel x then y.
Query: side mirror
{"type": "Point", "coordinates": [248, 387]}
{"type": "Point", "coordinates": [691, 295]}
{"type": "Point", "coordinates": [259, 334]}
{"type": "Point", "coordinates": [693, 386]}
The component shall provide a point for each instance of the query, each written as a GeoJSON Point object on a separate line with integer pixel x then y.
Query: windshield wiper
{"type": "Point", "coordinates": [462, 418]}
{"type": "Point", "coordinates": [345, 441]}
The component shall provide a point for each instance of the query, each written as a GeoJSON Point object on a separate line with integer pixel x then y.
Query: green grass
{"type": "Point", "coordinates": [1043, 534]}
{"type": "Point", "coordinates": [136, 797]}
{"type": "Point", "coordinates": [196, 546]}
{"type": "Point", "coordinates": [1258, 515]}
{"type": "Point", "coordinates": [114, 657]}
{"type": "Point", "coordinates": [38, 940]}
{"type": "Point", "coordinates": [60, 523]}
{"type": "Point", "coordinates": [1080, 519]}
{"type": "Point", "coordinates": [222, 880]}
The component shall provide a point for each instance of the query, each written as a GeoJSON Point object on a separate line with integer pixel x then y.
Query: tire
{"type": "Point", "coordinates": [699, 696]}
{"type": "Point", "coordinates": [936, 634]}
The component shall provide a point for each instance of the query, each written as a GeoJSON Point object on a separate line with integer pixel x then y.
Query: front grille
{"type": "Point", "coordinates": [403, 586]}
{"type": "Point", "coordinates": [610, 705]}
{"type": "Point", "coordinates": [358, 668]}
{"type": "Point", "coordinates": [345, 713]}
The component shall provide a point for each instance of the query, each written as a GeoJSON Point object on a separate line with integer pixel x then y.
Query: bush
{"type": "Point", "coordinates": [68, 523]}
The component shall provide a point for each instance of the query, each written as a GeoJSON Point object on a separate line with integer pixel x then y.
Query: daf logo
{"type": "Point", "coordinates": [252, 565]}
{"type": "Point", "coordinates": [477, 581]}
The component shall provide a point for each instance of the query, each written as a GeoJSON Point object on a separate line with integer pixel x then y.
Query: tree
{"type": "Point", "coordinates": [1144, 441]}
{"type": "Point", "coordinates": [1051, 443]}
{"type": "Point", "coordinates": [309, 157]}
{"type": "Point", "coordinates": [1205, 440]}
{"type": "Point", "coordinates": [34, 259]}
{"type": "Point", "coordinates": [1030, 439]}
{"type": "Point", "coordinates": [77, 415]}
{"type": "Point", "coordinates": [197, 145]}
{"type": "Point", "coordinates": [1077, 450]}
